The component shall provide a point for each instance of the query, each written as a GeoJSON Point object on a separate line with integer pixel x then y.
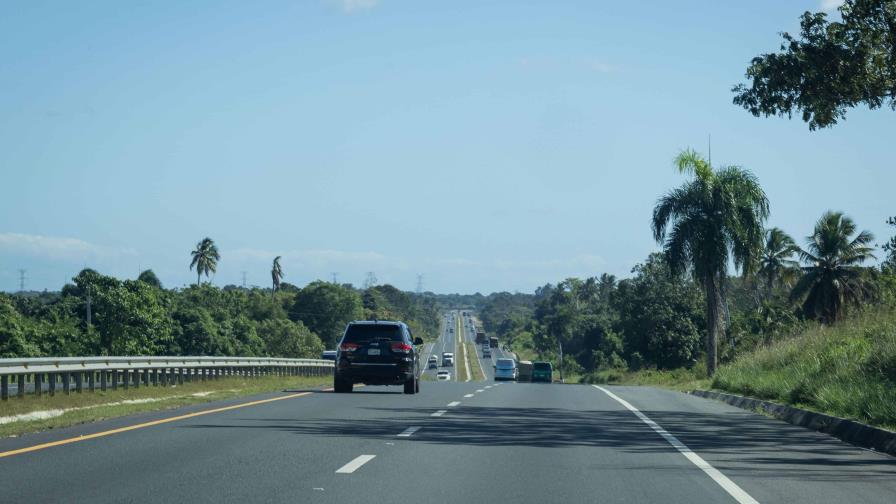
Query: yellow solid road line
{"type": "Point", "coordinates": [145, 424]}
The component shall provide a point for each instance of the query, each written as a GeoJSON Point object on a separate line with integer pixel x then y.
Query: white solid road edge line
{"type": "Point", "coordinates": [468, 395]}
{"type": "Point", "coordinates": [729, 486]}
{"type": "Point", "coordinates": [439, 413]}
{"type": "Point", "coordinates": [355, 464]}
{"type": "Point", "coordinates": [453, 404]}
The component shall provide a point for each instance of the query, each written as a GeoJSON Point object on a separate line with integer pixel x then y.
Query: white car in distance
{"type": "Point", "coordinates": [443, 376]}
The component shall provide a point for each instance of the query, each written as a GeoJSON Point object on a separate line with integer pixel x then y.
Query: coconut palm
{"type": "Point", "coordinates": [711, 220]}
{"type": "Point", "coordinates": [775, 263]}
{"type": "Point", "coordinates": [205, 258]}
{"type": "Point", "coordinates": [832, 279]}
{"type": "Point", "coordinates": [276, 275]}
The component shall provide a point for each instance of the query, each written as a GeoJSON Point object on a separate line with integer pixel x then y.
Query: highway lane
{"type": "Point", "coordinates": [509, 443]}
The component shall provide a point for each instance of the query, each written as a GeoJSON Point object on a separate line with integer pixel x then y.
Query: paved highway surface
{"type": "Point", "coordinates": [508, 443]}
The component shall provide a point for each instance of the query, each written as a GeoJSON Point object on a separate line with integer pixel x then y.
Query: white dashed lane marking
{"type": "Point", "coordinates": [410, 430]}
{"type": "Point", "coordinates": [355, 464]}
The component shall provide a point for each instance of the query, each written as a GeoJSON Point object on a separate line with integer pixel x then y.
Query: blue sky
{"type": "Point", "coordinates": [486, 145]}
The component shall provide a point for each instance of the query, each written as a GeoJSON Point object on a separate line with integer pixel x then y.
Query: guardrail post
{"type": "Point", "coordinates": [126, 378]}
{"type": "Point", "coordinates": [4, 388]}
{"type": "Point", "coordinates": [91, 381]}
{"type": "Point", "coordinates": [180, 376]}
{"type": "Point", "coordinates": [165, 377]}
{"type": "Point", "coordinates": [145, 373]}
{"type": "Point", "coordinates": [51, 379]}
{"type": "Point", "coordinates": [155, 377]}
{"type": "Point", "coordinates": [66, 383]}
{"type": "Point", "coordinates": [38, 384]}
{"type": "Point", "coordinates": [103, 380]}
{"type": "Point", "coordinates": [79, 382]}
{"type": "Point", "coordinates": [20, 385]}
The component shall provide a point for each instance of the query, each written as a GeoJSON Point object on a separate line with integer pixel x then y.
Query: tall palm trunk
{"type": "Point", "coordinates": [198, 277]}
{"type": "Point", "coordinates": [713, 322]}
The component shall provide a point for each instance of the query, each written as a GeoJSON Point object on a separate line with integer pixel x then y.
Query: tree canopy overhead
{"type": "Point", "coordinates": [830, 67]}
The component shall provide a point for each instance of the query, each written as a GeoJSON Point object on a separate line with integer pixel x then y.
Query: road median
{"type": "Point", "coordinates": [34, 414]}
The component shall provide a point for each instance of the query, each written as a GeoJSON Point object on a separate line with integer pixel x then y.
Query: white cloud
{"type": "Point", "coordinates": [352, 6]}
{"type": "Point", "coordinates": [58, 248]}
{"type": "Point", "coordinates": [830, 5]}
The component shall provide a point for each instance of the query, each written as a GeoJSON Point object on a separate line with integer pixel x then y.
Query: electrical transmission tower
{"type": "Point", "coordinates": [335, 275]}
{"type": "Point", "coordinates": [244, 279]}
{"type": "Point", "coordinates": [21, 280]}
{"type": "Point", "coordinates": [419, 284]}
{"type": "Point", "coordinates": [370, 281]}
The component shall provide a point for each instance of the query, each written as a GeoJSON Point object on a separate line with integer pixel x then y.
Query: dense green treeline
{"type": "Point", "coordinates": [101, 315]}
{"type": "Point", "coordinates": [656, 319]}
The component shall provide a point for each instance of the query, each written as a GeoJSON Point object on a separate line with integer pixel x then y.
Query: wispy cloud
{"type": "Point", "coordinates": [830, 5]}
{"type": "Point", "coordinates": [352, 6]}
{"type": "Point", "coordinates": [58, 248]}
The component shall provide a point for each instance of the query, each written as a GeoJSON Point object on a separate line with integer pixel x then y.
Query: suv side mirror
{"type": "Point", "coordinates": [418, 341]}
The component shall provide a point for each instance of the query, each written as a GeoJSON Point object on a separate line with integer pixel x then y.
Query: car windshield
{"type": "Point", "coordinates": [365, 333]}
{"type": "Point", "coordinates": [504, 363]}
{"type": "Point", "coordinates": [542, 366]}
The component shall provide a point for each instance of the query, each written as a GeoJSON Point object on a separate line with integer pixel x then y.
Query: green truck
{"type": "Point", "coordinates": [542, 372]}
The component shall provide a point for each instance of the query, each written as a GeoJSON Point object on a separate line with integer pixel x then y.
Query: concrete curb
{"type": "Point", "coordinates": [849, 431]}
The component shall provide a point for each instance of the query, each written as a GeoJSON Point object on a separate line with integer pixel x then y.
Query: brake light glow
{"type": "Point", "coordinates": [348, 347]}
{"type": "Point", "coordinates": [401, 347]}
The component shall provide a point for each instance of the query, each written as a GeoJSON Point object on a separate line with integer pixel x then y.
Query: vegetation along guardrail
{"type": "Point", "coordinates": [41, 375]}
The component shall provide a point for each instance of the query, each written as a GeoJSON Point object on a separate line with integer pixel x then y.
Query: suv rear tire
{"type": "Point", "coordinates": [342, 386]}
{"type": "Point", "coordinates": [411, 386]}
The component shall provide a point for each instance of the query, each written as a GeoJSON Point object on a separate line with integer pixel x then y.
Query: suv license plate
{"type": "Point", "coordinates": [373, 351]}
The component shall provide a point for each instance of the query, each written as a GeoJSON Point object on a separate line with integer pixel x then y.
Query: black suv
{"type": "Point", "coordinates": [377, 353]}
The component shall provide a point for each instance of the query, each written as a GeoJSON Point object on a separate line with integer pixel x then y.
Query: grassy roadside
{"type": "Point", "coordinates": [475, 370]}
{"type": "Point", "coordinates": [675, 379]}
{"type": "Point", "coordinates": [64, 411]}
{"type": "Point", "coordinates": [846, 370]}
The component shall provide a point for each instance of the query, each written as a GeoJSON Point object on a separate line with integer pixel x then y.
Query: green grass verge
{"type": "Point", "coordinates": [847, 370]}
{"type": "Point", "coordinates": [475, 370]}
{"type": "Point", "coordinates": [675, 379]}
{"type": "Point", "coordinates": [91, 407]}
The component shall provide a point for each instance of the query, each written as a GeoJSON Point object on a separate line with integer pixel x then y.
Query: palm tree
{"type": "Point", "coordinates": [205, 258]}
{"type": "Point", "coordinates": [775, 263]}
{"type": "Point", "coordinates": [833, 278]}
{"type": "Point", "coordinates": [276, 275]}
{"type": "Point", "coordinates": [712, 219]}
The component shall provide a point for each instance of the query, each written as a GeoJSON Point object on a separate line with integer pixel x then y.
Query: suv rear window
{"type": "Point", "coordinates": [542, 366]}
{"type": "Point", "coordinates": [364, 333]}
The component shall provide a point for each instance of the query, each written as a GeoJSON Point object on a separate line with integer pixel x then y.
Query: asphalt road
{"type": "Point", "coordinates": [511, 442]}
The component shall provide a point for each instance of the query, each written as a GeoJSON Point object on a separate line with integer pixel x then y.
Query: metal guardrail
{"type": "Point", "coordinates": [43, 373]}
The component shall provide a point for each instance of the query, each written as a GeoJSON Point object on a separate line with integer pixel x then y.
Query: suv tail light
{"type": "Point", "coordinates": [348, 347]}
{"type": "Point", "coordinates": [401, 347]}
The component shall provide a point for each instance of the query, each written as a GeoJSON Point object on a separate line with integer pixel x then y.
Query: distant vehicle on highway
{"type": "Point", "coordinates": [447, 359]}
{"type": "Point", "coordinates": [542, 372]}
{"type": "Point", "coordinates": [377, 353]}
{"type": "Point", "coordinates": [443, 376]}
{"type": "Point", "coordinates": [524, 371]}
{"type": "Point", "coordinates": [328, 355]}
{"type": "Point", "coordinates": [486, 353]}
{"type": "Point", "coordinates": [433, 362]}
{"type": "Point", "coordinates": [493, 342]}
{"type": "Point", "coordinates": [505, 369]}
